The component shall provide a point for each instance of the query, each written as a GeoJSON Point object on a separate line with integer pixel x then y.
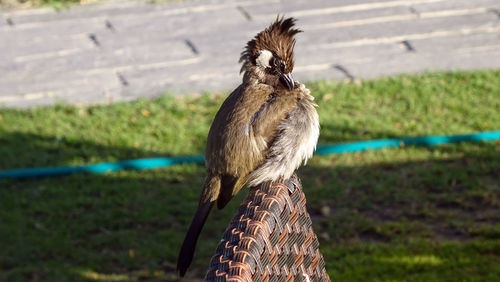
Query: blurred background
{"type": "Point", "coordinates": [120, 50]}
{"type": "Point", "coordinates": [113, 80]}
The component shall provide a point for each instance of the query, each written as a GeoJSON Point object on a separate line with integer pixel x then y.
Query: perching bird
{"type": "Point", "coordinates": [262, 132]}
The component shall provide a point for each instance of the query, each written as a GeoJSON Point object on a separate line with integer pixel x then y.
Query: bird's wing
{"type": "Point", "coordinates": [231, 146]}
{"type": "Point", "coordinates": [232, 149]}
{"type": "Point", "coordinates": [241, 133]}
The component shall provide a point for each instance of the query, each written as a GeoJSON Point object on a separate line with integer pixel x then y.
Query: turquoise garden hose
{"type": "Point", "coordinates": [151, 163]}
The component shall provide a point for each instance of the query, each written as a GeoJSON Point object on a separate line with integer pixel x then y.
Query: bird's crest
{"type": "Point", "coordinates": [278, 38]}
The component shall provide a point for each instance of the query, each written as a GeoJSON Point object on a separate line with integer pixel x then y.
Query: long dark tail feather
{"type": "Point", "coordinates": [189, 244]}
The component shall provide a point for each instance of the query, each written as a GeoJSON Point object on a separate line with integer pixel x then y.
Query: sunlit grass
{"type": "Point", "coordinates": [402, 214]}
{"type": "Point", "coordinates": [63, 4]}
{"type": "Point", "coordinates": [92, 275]}
{"type": "Point", "coordinates": [413, 260]}
{"type": "Point", "coordinates": [134, 276]}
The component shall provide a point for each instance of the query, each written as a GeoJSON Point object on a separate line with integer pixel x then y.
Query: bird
{"type": "Point", "coordinates": [264, 130]}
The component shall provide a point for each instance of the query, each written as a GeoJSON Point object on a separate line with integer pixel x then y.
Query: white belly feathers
{"type": "Point", "coordinates": [295, 143]}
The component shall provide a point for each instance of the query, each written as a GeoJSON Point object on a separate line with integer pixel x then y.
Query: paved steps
{"type": "Point", "coordinates": [122, 50]}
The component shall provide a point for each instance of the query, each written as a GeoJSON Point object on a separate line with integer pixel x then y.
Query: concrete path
{"type": "Point", "coordinates": [122, 50]}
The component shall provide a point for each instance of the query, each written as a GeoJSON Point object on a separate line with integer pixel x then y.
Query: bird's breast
{"type": "Point", "coordinates": [294, 143]}
{"type": "Point", "coordinates": [301, 131]}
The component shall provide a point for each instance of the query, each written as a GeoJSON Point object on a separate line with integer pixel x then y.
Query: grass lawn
{"type": "Point", "coordinates": [56, 4]}
{"type": "Point", "coordinates": [408, 214]}
{"type": "Point", "coordinates": [60, 4]}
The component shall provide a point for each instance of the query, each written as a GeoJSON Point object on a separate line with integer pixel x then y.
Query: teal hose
{"type": "Point", "coordinates": [151, 163]}
{"type": "Point", "coordinates": [399, 142]}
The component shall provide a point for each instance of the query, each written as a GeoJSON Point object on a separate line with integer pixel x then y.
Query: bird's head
{"type": "Point", "coordinates": [268, 57]}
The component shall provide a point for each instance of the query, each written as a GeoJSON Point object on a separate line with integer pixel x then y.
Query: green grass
{"type": "Point", "coordinates": [55, 4]}
{"type": "Point", "coordinates": [63, 4]}
{"type": "Point", "coordinates": [408, 214]}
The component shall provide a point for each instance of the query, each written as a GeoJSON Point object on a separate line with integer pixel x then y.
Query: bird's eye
{"type": "Point", "coordinates": [277, 64]}
{"type": "Point", "coordinates": [272, 62]}
{"type": "Point", "coordinates": [282, 67]}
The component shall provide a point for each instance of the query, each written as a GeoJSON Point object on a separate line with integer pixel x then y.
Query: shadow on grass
{"type": "Point", "coordinates": [451, 196]}
{"type": "Point", "coordinates": [20, 150]}
{"type": "Point", "coordinates": [473, 260]}
{"type": "Point", "coordinates": [128, 225]}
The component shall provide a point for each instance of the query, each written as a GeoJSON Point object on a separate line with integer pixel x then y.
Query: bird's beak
{"type": "Point", "coordinates": [287, 80]}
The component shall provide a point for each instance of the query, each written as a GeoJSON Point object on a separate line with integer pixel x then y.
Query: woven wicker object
{"type": "Point", "coordinates": [270, 239]}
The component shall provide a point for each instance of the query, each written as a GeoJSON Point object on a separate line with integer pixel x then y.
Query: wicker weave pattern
{"type": "Point", "coordinates": [270, 239]}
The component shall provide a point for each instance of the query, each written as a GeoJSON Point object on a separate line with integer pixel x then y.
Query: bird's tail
{"type": "Point", "coordinates": [208, 196]}
{"type": "Point", "coordinates": [189, 244]}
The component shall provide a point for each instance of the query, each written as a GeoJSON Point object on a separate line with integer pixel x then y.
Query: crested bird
{"type": "Point", "coordinates": [262, 132]}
